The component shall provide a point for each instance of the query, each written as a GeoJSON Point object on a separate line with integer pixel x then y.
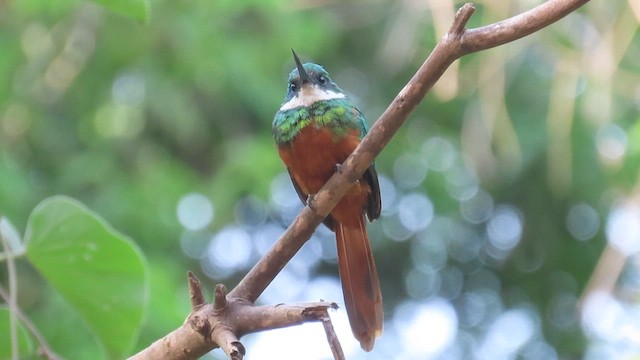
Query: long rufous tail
{"type": "Point", "coordinates": [359, 278]}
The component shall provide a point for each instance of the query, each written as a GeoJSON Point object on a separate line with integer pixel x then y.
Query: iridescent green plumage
{"type": "Point", "coordinates": [338, 115]}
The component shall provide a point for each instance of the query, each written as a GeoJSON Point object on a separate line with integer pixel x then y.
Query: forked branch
{"type": "Point", "coordinates": [458, 42]}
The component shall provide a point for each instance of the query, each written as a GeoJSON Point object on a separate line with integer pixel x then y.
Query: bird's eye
{"type": "Point", "coordinates": [292, 86]}
{"type": "Point", "coordinates": [322, 79]}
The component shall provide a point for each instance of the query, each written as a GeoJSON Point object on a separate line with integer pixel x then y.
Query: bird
{"type": "Point", "coordinates": [316, 128]}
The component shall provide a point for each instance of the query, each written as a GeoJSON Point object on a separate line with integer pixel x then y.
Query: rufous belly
{"type": "Point", "coordinates": [312, 157]}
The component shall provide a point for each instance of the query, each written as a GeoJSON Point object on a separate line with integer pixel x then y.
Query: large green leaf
{"type": "Point", "coordinates": [137, 9]}
{"type": "Point", "coordinates": [25, 345]}
{"type": "Point", "coordinates": [100, 272]}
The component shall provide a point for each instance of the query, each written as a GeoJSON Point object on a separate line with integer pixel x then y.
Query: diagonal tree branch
{"type": "Point", "coordinates": [519, 26]}
{"type": "Point", "coordinates": [458, 42]}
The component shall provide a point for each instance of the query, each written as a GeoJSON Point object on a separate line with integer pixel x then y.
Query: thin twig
{"type": "Point", "coordinates": [606, 273]}
{"type": "Point", "coordinates": [461, 19]}
{"type": "Point", "coordinates": [332, 338]}
{"type": "Point", "coordinates": [13, 299]}
{"type": "Point", "coordinates": [228, 341]}
{"type": "Point", "coordinates": [251, 319]}
{"type": "Point", "coordinates": [195, 291]}
{"type": "Point", "coordinates": [14, 254]}
{"type": "Point", "coordinates": [220, 297]}
{"type": "Point", "coordinates": [45, 349]}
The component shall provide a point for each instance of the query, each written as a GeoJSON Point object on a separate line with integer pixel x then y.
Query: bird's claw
{"type": "Point", "coordinates": [309, 201]}
{"type": "Point", "coordinates": [338, 168]}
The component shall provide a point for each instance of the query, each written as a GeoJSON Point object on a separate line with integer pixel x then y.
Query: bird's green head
{"type": "Point", "coordinates": [307, 84]}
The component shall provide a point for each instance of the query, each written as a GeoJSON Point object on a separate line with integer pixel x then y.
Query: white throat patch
{"type": "Point", "coordinates": [308, 95]}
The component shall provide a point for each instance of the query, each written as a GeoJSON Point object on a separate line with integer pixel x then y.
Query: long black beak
{"type": "Point", "coordinates": [303, 73]}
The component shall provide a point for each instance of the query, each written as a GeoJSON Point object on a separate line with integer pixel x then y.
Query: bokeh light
{"type": "Point", "coordinates": [195, 211]}
{"type": "Point", "coordinates": [613, 325]}
{"type": "Point", "coordinates": [623, 229]}
{"type": "Point", "coordinates": [250, 211]}
{"type": "Point", "coordinates": [194, 243]}
{"type": "Point", "coordinates": [611, 142]}
{"type": "Point", "coordinates": [462, 183]}
{"type": "Point", "coordinates": [284, 197]}
{"type": "Point", "coordinates": [415, 211]}
{"type": "Point", "coordinates": [129, 89]}
{"type": "Point", "coordinates": [440, 153]}
{"type": "Point", "coordinates": [423, 282]}
{"type": "Point", "coordinates": [562, 312]}
{"type": "Point", "coordinates": [265, 236]}
{"type": "Point", "coordinates": [429, 328]}
{"type": "Point", "coordinates": [507, 334]}
{"type": "Point", "coordinates": [477, 208]}
{"type": "Point", "coordinates": [395, 229]}
{"type": "Point", "coordinates": [229, 251]}
{"type": "Point", "coordinates": [583, 221]}
{"type": "Point", "coordinates": [409, 170]}
{"type": "Point", "coordinates": [505, 227]}
{"type": "Point", "coordinates": [388, 193]}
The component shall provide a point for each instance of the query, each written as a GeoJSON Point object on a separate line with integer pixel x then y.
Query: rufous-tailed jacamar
{"type": "Point", "coordinates": [316, 129]}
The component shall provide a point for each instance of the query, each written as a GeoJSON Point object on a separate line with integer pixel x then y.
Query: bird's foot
{"type": "Point", "coordinates": [310, 201]}
{"type": "Point", "coordinates": [338, 168]}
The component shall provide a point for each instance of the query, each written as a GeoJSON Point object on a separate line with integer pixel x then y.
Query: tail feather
{"type": "Point", "coordinates": [360, 284]}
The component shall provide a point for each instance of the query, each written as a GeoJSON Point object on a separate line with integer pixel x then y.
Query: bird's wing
{"type": "Point", "coordinates": [374, 203]}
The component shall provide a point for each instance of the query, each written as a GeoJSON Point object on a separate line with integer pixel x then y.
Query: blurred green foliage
{"type": "Point", "coordinates": [97, 271]}
{"type": "Point", "coordinates": [24, 341]}
{"type": "Point", "coordinates": [129, 116]}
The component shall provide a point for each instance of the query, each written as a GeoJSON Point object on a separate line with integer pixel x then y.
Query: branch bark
{"type": "Point", "coordinates": [458, 42]}
{"type": "Point", "coordinates": [222, 322]}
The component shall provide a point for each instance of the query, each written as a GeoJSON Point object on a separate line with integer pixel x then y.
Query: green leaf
{"type": "Point", "coordinates": [98, 271]}
{"type": "Point", "coordinates": [137, 9]}
{"type": "Point", "coordinates": [25, 345]}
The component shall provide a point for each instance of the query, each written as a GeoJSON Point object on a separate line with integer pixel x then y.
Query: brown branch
{"type": "Point", "coordinates": [195, 291]}
{"type": "Point", "coordinates": [518, 26]}
{"type": "Point", "coordinates": [223, 322]}
{"type": "Point", "coordinates": [605, 275]}
{"type": "Point", "coordinates": [332, 338]}
{"type": "Point", "coordinates": [455, 44]}
{"type": "Point", "coordinates": [186, 342]}
{"type": "Point", "coordinates": [229, 342]}
{"type": "Point", "coordinates": [268, 317]}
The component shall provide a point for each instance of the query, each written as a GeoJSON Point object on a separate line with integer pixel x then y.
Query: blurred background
{"type": "Point", "coordinates": [511, 202]}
